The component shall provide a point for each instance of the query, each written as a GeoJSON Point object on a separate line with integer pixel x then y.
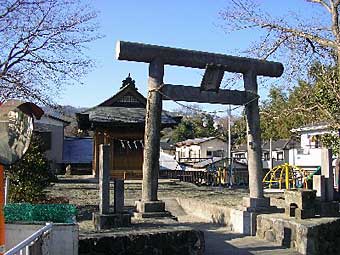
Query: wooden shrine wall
{"type": "Point", "coordinates": [126, 152]}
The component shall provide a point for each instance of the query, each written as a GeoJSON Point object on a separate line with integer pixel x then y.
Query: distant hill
{"type": "Point", "coordinates": [64, 111]}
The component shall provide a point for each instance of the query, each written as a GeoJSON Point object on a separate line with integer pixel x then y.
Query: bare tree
{"type": "Point", "coordinates": [43, 46]}
{"type": "Point", "coordinates": [293, 39]}
{"type": "Point", "coordinates": [309, 47]}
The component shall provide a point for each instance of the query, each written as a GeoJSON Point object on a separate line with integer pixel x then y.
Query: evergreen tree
{"type": "Point", "coordinates": [195, 126]}
{"type": "Point", "coordinates": [31, 175]}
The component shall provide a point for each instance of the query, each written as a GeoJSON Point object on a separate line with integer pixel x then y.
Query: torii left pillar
{"type": "Point", "coordinates": [150, 205]}
{"type": "Point", "coordinates": [256, 201]}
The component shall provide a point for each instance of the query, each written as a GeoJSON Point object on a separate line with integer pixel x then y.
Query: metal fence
{"type": "Point", "coordinates": [223, 177]}
{"type": "Point", "coordinates": [33, 243]}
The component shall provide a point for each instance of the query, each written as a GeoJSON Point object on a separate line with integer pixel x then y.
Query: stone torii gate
{"type": "Point", "coordinates": [209, 92]}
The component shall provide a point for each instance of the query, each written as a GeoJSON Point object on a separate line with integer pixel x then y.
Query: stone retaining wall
{"type": "Point", "coordinates": [236, 220]}
{"type": "Point", "coordinates": [316, 236]}
{"type": "Point", "coordinates": [165, 242]}
{"type": "Point", "coordinates": [209, 212]}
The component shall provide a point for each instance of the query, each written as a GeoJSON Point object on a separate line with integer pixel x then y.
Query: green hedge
{"type": "Point", "coordinates": [58, 213]}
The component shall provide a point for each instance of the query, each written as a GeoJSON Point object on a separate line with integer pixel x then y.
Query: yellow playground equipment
{"type": "Point", "coordinates": [286, 176]}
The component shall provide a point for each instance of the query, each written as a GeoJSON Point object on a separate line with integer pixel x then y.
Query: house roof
{"type": "Point", "coordinates": [65, 122]}
{"type": "Point", "coordinates": [77, 150]}
{"type": "Point", "coordinates": [127, 106]}
{"type": "Point", "coordinates": [129, 92]}
{"type": "Point", "coordinates": [279, 144]}
{"type": "Point", "coordinates": [44, 124]}
{"type": "Point", "coordinates": [122, 115]}
{"type": "Point", "coordinates": [167, 146]}
{"type": "Point", "coordinates": [276, 144]}
{"type": "Point", "coordinates": [205, 163]}
{"type": "Point", "coordinates": [196, 141]}
{"type": "Point", "coordinates": [167, 162]}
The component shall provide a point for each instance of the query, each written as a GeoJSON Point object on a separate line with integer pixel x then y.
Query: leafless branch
{"type": "Point", "coordinates": [322, 2]}
{"type": "Point", "coordinates": [43, 46]}
{"type": "Point", "coordinates": [298, 42]}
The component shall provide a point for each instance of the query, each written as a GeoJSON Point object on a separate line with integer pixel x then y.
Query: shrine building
{"type": "Point", "coordinates": [120, 122]}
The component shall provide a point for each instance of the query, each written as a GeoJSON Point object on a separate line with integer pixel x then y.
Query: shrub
{"type": "Point", "coordinates": [31, 175]}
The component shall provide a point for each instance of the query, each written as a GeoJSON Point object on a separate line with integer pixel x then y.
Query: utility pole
{"type": "Point", "coordinates": [270, 154]}
{"type": "Point", "coordinates": [229, 148]}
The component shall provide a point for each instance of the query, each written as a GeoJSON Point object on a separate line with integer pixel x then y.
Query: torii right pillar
{"type": "Point", "coordinates": [256, 201]}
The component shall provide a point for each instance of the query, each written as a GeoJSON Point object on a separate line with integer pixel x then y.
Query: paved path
{"type": "Point", "coordinates": [219, 240]}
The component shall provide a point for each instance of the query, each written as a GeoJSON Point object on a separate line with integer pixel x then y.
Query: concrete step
{"type": "Point", "coordinates": [174, 207]}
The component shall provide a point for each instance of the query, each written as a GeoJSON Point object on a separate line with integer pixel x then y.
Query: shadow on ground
{"type": "Point", "coordinates": [218, 239]}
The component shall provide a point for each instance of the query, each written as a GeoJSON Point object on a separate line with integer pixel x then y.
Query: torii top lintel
{"type": "Point", "coordinates": [140, 52]}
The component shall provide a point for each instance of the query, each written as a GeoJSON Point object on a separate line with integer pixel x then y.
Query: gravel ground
{"type": "Point", "coordinates": [83, 192]}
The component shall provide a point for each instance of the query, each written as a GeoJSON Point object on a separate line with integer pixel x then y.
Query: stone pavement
{"type": "Point", "coordinates": [219, 240]}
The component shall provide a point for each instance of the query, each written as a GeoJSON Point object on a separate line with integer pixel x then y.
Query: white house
{"type": "Point", "coordinates": [280, 152]}
{"type": "Point", "coordinates": [198, 149]}
{"type": "Point", "coordinates": [51, 131]}
{"type": "Point", "coordinates": [304, 152]}
{"type": "Point", "coordinates": [308, 154]}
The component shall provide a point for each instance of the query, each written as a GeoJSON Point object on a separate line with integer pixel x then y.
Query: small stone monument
{"type": "Point", "coordinates": [68, 170]}
{"type": "Point", "coordinates": [320, 186]}
{"type": "Point", "coordinates": [105, 219]}
{"type": "Point", "coordinates": [300, 203]}
{"type": "Point", "coordinates": [327, 172]}
{"type": "Point", "coordinates": [337, 175]}
{"type": "Point", "coordinates": [118, 196]}
{"type": "Point", "coordinates": [324, 185]}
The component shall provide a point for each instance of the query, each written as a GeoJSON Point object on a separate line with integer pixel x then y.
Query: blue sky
{"type": "Point", "coordinates": [185, 24]}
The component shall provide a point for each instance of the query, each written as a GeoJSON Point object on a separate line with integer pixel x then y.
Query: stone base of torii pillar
{"type": "Point", "coordinates": [245, 217]}
{"type": "Point", "coordinates": [251, 204]}
{"type": "Point", "coordinates": [151, 209]}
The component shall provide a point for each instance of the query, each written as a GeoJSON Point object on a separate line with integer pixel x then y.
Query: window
{"type": "Point", "coordinates": [279, 155]}
{"type": "Point", "coordinates": [300, 151]}
{"type": "Point", "coordinates": [218, 153]}
{"type": "Point", "coordinates": [266, 156]}
{"type": "Point", "coordinates": [303, 151]}
{"type": "Point", "coordinates": [178, 155]}
{"type": "Point", "coordinates": [240, 156]}
{"type": "Point", "coordinates": [128, 99]}
{"type": "Point", "coordinates": [182, 154]}
{"type": "Point", "coordinates": [314, 141]}
{"type": "Point", "coordinates": [193, 154]}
